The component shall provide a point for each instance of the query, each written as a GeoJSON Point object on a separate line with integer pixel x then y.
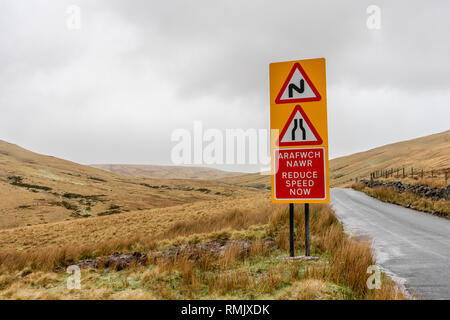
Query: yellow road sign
{"type": "Point", "coordinates": [299, 132]}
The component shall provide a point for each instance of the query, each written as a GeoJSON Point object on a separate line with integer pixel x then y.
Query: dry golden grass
{"type": "Point", "coordinates": [165, 172]}
{"type": "Point", "coordinates": [38, 189]}
{"type": "Point", "coordinates": [438, 181]}
{"type": "Point", "coordinates": [310, 289]}
{"type": "Point", "coordinates": [253, 180]}
{"type": "Point", "coordinates": [259, 273]}
{"type": "Point", "coordinates": [349, 262]}
{"type": "Point", "coordinates": [59, 243]}
{"type": "Point", "coordinates": [433, 182]}
{"type": "Point", "coordinates": [407, 199]}
{"type": "Point", "coordinates": [349, 258]}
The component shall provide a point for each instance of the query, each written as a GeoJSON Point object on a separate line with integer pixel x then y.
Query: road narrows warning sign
{"type": "Point", "coordinates": [297, 87]}
{"type": "Point", "coordinates": [299, 132]}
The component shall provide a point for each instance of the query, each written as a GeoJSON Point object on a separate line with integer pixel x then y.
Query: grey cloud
{"type": "Point", "coordinates": [224, 47]}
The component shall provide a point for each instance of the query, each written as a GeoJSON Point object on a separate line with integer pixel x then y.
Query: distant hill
{"type": "Point", "coordinates": [429, 152]}
{"type": "Point", "coordinates": [38, 189]}
{"type": "Point", "coordinates": [252, 180]}
{"type": "Point", "coordinates": [165, 172]}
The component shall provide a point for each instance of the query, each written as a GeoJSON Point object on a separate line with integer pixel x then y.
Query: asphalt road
{"type": "Point", "coordinates": [411, 246]}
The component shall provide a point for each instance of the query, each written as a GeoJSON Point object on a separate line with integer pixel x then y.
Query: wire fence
{"type": "Point", "coordinates": [413, 173]}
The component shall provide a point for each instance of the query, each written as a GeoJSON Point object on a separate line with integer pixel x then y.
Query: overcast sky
{"type": "Point", "coordinates": [114, 90]}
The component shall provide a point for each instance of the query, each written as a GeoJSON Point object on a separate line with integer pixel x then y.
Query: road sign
{"type": "Point", "coordinates": [297, 87]}
{"type": "Point", "coordinates": [299, 139]}
{"type": "Point", "coordinates": [298, 130]}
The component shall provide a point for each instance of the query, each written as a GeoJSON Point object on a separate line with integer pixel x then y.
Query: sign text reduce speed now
{"type": "Point", "coordinates": [299, 173]}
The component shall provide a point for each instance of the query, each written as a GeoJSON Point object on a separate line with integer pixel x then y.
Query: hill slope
{"type": "Point", "coordinates": [165, 172]}
{"type": "Point", "coordinates": [38, 189]}
{"type": "Point", "coordinates": [251, 180]}
{"type": "Point", "coordinates": [430, 152]}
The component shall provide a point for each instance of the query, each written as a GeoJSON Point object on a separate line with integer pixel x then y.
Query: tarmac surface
{"type": "Point", "coordinates": [413, 247]}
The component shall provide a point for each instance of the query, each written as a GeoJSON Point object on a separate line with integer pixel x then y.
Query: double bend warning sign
{"type": "Point", "coordinates": [299, 142]}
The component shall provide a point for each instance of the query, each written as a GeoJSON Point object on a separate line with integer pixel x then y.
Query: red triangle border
{"type": "Point", "coordinates": [283, 88]}
{"type": "Point", "coordinates": [301, 143]}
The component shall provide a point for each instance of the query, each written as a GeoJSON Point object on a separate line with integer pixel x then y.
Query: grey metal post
{"type": "Point", "coordinates": [307, 229]}
{"type": "Point", "coordinates": [291, 228]}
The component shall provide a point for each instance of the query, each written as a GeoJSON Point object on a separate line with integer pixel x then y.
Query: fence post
{"type": "Point", "coordinates": [422, 173]}
{"type": "Point", "coordinates": [412, 172]}
{"type": "Point", "coordinates": [432, 173]}
{"type": "Point", "coordinates": [403, 172]}
{"type": "Point", "coordinates": [446, 177]}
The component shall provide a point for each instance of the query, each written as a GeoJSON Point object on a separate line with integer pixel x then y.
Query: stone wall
{"type": "Point", "coordinates": [419, 189]}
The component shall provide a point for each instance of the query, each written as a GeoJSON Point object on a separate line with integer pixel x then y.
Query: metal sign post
{"type": "Point", "coordinates": [307, 229]}
{"type": "Point", "coordinates": [291, 229]}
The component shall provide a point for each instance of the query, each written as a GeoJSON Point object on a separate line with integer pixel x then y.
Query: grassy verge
{"type": "Point", "coordinates": [407, 199]}
{"type": "Point", "coordinates": [256, 273]}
